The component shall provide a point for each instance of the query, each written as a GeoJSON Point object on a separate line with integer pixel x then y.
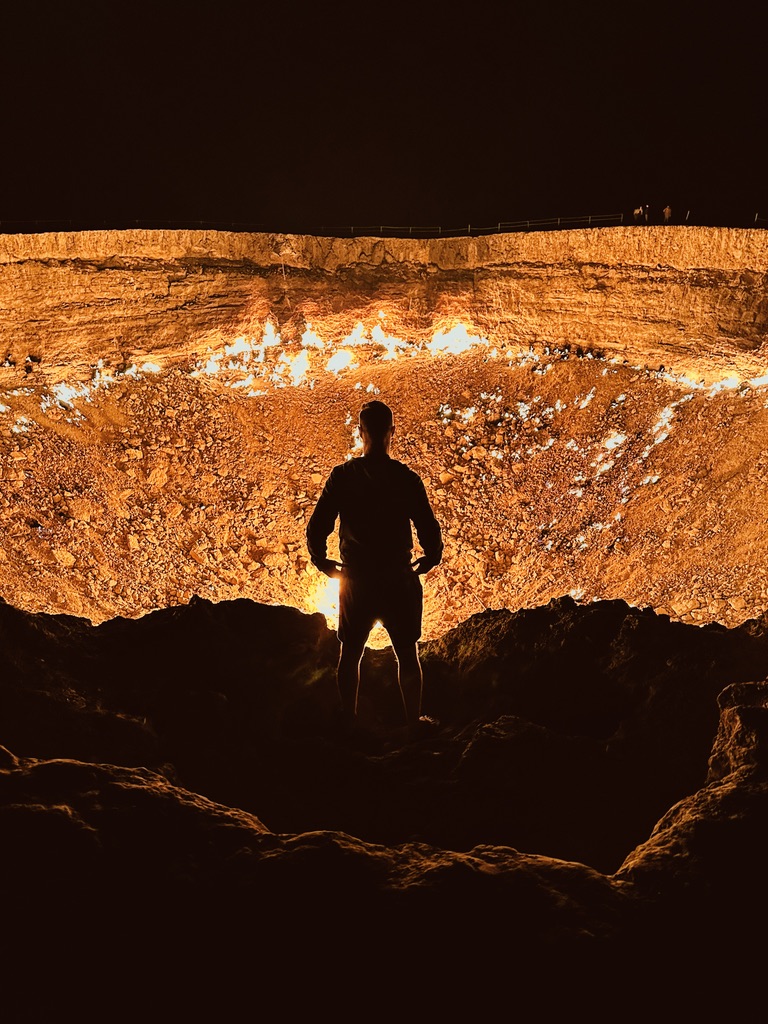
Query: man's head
{"type": "Point", "coordinates": [376, 422]}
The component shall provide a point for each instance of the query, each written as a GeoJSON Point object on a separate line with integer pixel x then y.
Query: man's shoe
{"type": "Point", "coordinates": [425, 727]}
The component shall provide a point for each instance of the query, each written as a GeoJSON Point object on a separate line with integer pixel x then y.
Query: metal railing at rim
{"type": "Point", "coordinates": [335, 231]}
{"type": "Point", "coordinates": [593, 220]}
{"type": "Point", "coordinates": [543, 224]}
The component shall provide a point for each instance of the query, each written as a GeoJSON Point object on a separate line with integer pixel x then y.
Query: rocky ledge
{"type": "Point", "coordinates": [184, 830]}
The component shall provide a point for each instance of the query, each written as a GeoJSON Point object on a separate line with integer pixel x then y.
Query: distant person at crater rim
{"type": "Point", "coordinates": [376, 499]}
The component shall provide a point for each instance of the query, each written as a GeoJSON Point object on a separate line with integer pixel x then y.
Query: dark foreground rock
{"type": "Point", "coordinates": [183, 831]}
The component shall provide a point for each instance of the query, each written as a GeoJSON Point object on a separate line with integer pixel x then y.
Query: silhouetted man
{"type": "Point", "coordinates": [376, 499]}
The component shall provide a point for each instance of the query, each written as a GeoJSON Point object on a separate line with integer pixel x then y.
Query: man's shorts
{"type": "Point", "coordinates": [394, 599]}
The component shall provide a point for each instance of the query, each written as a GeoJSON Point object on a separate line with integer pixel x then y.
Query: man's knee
{"type": "Point", "coordinates": [407, 655]}
{"type": "Point", "coordinates": [351, 652]}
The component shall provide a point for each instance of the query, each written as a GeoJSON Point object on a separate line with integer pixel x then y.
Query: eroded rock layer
{"type": "Point", "coordinates": [587, 408]}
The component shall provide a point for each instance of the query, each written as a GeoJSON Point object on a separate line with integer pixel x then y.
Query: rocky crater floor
{"type": "Point", "coordinates": [588, 411]}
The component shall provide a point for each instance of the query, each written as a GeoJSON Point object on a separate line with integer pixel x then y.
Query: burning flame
{"type": "Point", "coordinates": [298, 366]}
{"type": "Point", "coordinates": [245, 362]}
{"type": "Point", "coordinates": [325, 599]}
{"type": "Point", "coordinates": [311, 340]}
{"type": "Point", "coordinates": [244, 354]}
{"type": "Point", "coordinates": [341, 360]}
{"type": "Point", "coordinates": [390, 345]}
{"type": "Point", "coordinates": [455, 341]}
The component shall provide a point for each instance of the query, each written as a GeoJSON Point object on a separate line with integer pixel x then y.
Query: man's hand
{"type": "Point", "coordinates": [422, 565]}
{"type": "Point", "coordinates": [331, 568]}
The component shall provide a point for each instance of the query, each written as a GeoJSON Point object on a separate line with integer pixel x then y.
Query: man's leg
{"type": "Point", "coordinates": [410, 680]}
{"type": "Point", "coordinates": [354, 627]}
{"type": "Point", "coordinates": [348, 678]}
{"type": "Point", "coordinates": [403, 623]}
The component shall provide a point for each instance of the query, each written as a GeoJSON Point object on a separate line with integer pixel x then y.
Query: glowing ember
{"type": "Point", "coordinates": [614, 441]}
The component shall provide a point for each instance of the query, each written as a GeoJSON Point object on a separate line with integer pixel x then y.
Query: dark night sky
{"type": "Point", "coordinates": [308, 117]}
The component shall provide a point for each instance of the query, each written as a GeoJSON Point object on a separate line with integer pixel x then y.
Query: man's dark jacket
{"type": "Point", "coordinates": [376, 499]}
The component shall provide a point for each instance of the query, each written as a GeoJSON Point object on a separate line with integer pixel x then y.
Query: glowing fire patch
{"type": "Point", "coordinates": [311, 340]}
{"type": "Point", "coordinates": [455, 341]}
{"type": "Point", "coordinates": [341, 360]}
{"type": "Point", "coordinates": [243, 361]}
{"type": "Point", "coordinates": [325, 600]}
{"type": "Point", "coordinates": [298, 366]}
{"type": "Point", "coordinates": [389, 344]}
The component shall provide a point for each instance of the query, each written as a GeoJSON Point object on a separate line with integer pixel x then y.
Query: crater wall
{"type": "Point", "coordinates": [691, 298]}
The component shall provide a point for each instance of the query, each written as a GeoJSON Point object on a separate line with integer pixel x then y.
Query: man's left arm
{"type": "Point", "coordinates": [427, 530]}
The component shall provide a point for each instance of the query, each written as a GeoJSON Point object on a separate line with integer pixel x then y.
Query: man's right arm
{"type": "Point", "coordinates": [320, 525]}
